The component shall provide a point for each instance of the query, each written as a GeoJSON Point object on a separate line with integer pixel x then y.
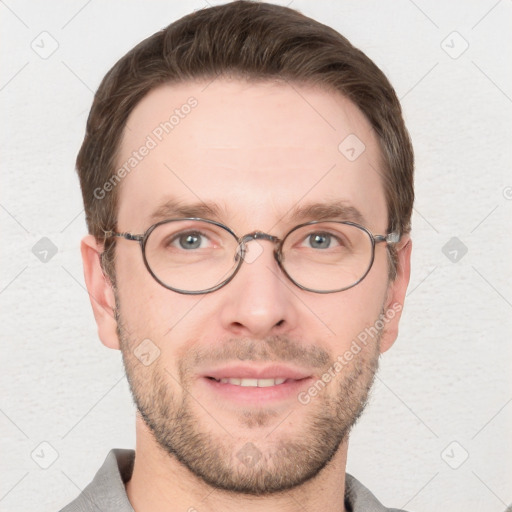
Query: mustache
{"type": "Point", "coordinates": [272, 348]}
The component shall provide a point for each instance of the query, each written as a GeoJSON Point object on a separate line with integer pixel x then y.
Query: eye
{"type": "Point", "coordinates": [322, 240]}
{"type": "Point", "coordinates": [190, 240]}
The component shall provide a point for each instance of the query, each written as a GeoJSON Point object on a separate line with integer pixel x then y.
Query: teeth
{"type": "Point", "coordinates": [253, 383]}
{"type": "Point", "coordinates": [249, 383]}
{"type": "Point", "coordinates": [265, 383]}
{"type": "Point", "coordinates": [233, 381]}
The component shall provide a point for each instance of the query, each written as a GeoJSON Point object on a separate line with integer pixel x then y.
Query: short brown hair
{"type": "Point", "coordinates": [253, 41]}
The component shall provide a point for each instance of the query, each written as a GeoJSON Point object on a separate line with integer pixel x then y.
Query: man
{"type": "Point", "coordinates": [248, 184]}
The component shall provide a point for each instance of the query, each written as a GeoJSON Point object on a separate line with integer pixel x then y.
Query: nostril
{"type": "Point", "coordinates": [281, 322]}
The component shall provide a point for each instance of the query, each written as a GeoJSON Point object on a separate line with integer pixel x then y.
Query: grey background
{"type": "Point", "coordinates": [437, 432]}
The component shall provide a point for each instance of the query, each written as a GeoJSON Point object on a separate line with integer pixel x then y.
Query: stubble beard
{"type": "Point", "coordinates": [251, 465]}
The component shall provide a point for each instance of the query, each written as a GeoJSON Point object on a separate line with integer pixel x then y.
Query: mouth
{"type": "Point", "coordinates": [252, 385]}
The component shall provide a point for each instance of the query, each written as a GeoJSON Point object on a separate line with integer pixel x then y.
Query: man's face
{"type": "Point", "coordinates": [258, 153]}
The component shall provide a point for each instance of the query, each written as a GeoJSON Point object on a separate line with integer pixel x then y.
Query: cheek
{"type": "Point", "coordinates": [143, 302]}
{"type": "Point", "coordinates": [349, 313]}
{"type": "Point", "coordinates": [148, 310]}
{"type": "Point", "coordinates": [132, 279]}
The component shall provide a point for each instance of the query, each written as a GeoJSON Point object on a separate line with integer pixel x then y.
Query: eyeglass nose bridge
{"type": "Point", "coordinates": [258, 235]}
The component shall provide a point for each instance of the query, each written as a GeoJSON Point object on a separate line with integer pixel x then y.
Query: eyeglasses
{"type": "Point", "coordinates": [196, 256]}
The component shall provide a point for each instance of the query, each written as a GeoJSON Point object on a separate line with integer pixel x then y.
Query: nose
{"type": "Point", "coordinates": [259, 301]}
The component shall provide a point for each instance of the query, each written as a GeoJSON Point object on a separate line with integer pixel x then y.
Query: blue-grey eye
{"type": "Point", "coordinates": [190, 240]}
{"type": "Point", "coordinates": [320, 240]}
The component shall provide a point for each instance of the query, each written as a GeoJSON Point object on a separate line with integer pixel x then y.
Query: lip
{"type": "Point", "coordinates": [295, 380]}
{"type": "Point", "coordinates": [254, 372]}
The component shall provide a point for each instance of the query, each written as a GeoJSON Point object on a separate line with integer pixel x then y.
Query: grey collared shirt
{"type": "Point", "coordinates": [107, 493]}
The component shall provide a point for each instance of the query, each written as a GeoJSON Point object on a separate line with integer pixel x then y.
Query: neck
{"type": "Point", "coordinates": [160, 483]}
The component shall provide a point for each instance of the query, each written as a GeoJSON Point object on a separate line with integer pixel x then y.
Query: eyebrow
{"type": "Point", "coordinates": [334, 210]}
{"type": "Point", "coordinates": [177, 209]}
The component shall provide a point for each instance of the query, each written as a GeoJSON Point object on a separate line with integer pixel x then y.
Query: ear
{"type": "Point", "coordinates": [396, 294]}
{"type": "Point", "coordinates": [101, 292]}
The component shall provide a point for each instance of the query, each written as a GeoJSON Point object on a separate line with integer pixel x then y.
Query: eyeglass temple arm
{"type": "Point", "coordinates": [390, 238]}
{"type": "Point", "coordinates": [126, 236]}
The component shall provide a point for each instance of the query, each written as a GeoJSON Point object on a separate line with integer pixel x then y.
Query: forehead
{"type": "Point", "coordinates": [257, 151]}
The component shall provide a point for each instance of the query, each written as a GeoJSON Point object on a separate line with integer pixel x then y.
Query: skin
{"type": "Point", "coordinates": [257, 151]}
